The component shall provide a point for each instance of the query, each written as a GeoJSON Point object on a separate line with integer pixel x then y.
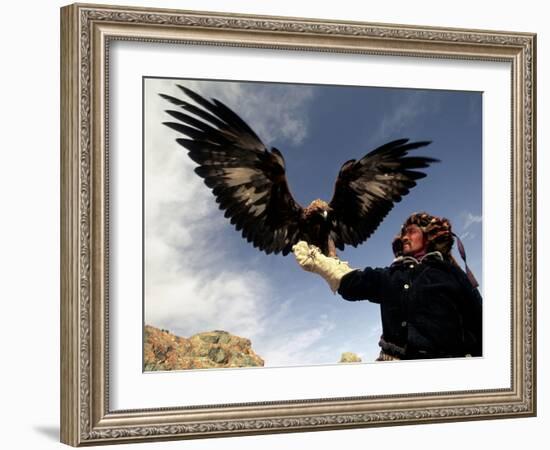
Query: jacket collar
{"type": "Point", "coordinates": [410, 259]}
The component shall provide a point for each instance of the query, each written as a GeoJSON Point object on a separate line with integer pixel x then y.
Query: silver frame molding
{"type": "Point", "coordinates": [86, 31]}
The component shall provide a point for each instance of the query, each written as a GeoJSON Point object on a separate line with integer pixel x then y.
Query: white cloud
{"type": "Point", "coordinates": [275, 114]}
{"type": "Point", "coordinates": [471, 219]}
{"type": "Point", "coordinates": [188, 302]}
{"type": "Point", "coordinates": [402, 115]}
{"type": "Point", "coordinates": [188, 288]}
{"type": "Point", "coordinates": [297, 342]}
{"type": "Point", "coordinates": [466, 236]}
{"type": "Point", "coordinates": [280, 115]}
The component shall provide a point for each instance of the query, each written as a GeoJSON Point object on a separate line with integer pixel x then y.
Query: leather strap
{"type": "Point", "coordinates": [462, 252]}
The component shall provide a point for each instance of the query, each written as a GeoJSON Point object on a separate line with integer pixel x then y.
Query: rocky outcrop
{"type": "Point", "coordinates": [349, 357]}
{"type": "Point", "coordinates": [213, 349]}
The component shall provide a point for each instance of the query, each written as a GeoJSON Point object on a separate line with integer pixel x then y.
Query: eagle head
{"type": "Point", "coordinates": [317, 208]}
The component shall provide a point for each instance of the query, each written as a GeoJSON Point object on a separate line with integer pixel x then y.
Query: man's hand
{"type": "Point", "coordinates": [305, 255]}
{"type": "Point", "coordinates": [310, 258]}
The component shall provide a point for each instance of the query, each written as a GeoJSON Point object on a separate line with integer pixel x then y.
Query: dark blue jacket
{"type": "Point", "coordinates": [429, 308]}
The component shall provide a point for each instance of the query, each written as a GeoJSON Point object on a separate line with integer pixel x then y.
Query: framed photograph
{"type": "Point", "coordinates": [208, 158]}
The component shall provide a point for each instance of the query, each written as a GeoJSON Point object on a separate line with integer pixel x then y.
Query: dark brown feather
{"type": "Point", "coordinates": [366, 190]}
{"type": "Point", "coordinates": [247, 180]}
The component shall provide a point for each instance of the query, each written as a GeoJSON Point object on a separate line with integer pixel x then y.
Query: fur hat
{"type": "Point", "coordinates": [437, 231]}
{"type": "Point", "coordinates": [440, 238]}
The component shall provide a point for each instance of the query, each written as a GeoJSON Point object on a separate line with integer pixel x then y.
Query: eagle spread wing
{"type": "Point", "coordinates": [366, 190]}
{"type": "Point", "coordinates": [247, 179]}
{"type": "Point", "coordinates": [250, 185]}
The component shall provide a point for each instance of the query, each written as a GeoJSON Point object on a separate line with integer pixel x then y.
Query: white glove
{"type": "Point", "coordinates": [310, 258]}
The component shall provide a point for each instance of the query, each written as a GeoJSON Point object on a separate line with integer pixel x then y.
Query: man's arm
{"type": "Point", "coordinates": [368, 284]}
{"type": "Point", "coordinates": [351, 284]}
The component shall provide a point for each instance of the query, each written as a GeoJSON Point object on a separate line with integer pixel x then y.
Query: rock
{"type": "Point", "coordinates": [209, 338]}
{"type": "Point", "coordinates": [212, 349]}
{"type": "Point", "coordinates": [349, 357]}
{"type": "Point", "coordinates": [217, 355]}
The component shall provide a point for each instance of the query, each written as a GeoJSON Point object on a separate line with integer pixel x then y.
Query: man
{"type": "Point", "coordinates": [430, 308]}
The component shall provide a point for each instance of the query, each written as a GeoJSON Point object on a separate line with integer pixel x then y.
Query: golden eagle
{"type": "Point", "coordinates": [249, 182]}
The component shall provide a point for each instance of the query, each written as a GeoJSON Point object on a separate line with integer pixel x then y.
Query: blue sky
{"type": "Point", "coordinates": [201, 275]}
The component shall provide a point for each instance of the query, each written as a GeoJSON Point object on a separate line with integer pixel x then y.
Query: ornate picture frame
{"type": "Point", "coordinates": [87, 415]}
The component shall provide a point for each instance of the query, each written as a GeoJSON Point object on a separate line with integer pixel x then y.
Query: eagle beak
{"type": "Point", "coordinates": [325, 215]}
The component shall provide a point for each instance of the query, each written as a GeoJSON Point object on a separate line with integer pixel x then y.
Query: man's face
{"type": "Point", "coordinates": [413, 240]}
